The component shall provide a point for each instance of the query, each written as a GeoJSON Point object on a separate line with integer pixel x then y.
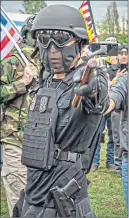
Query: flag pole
{"type": "Point", "coordinates": [15, 44]}
{"type": "Point", "coordinates": [92, 17]}
{"type": "Point", "coordinates": [10, 20]}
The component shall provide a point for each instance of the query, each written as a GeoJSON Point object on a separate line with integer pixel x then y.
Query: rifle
{"type": "Point", "coordinates": [90, 66]}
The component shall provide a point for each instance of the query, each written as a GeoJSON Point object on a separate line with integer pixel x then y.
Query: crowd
{"type": "Point", "coordinates": [114, 155]}
{"type": "Point", "coordinates": [43, 156]}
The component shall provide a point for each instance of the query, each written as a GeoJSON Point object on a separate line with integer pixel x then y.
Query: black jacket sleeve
{"type": "Point", "coordinates": [119, 91]}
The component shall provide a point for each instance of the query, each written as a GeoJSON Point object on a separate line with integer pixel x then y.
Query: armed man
{"type": "Point", "coordinates": [17, 82]}
{"type": "Point", "coordinates": [63, 125]}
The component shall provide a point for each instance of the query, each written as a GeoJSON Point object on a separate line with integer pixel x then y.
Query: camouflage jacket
{"type": "Point", "coordinates": [15, 97]}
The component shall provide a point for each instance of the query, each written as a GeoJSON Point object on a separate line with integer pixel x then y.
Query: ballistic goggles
{"type": "Point", "coordinates": [60, 38]}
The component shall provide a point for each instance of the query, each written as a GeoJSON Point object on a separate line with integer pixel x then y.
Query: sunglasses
{"type": "Point", "coordinates": [60, 38]}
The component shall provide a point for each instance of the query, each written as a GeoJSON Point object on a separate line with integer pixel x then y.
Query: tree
{"type": "Point", "coordinates": [103, 29]}
{"type": "Point", "coordinates": [109, 25]}
{"type": "Point", "coordinates": [111, 20]}
{"type": "Point", "coordinates": [122, 38]}
{"type": "Point", "coordinates": [116, 17]}
{"type": "Point", "coordinates": [123, 24]}
{"type": "Point", "coordinates": [32, 7]}
{"type": "Point", "coordinates": [108, 20]}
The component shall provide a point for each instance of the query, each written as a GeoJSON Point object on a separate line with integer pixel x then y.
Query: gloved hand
{"type": "Point", "coordinates": [89, 89]}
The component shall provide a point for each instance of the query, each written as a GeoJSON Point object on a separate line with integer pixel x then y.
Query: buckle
{"type": "Point", "coordinates": [57, 153]}
{"type": "Point", "coordinates": [73, 156]}
{"type": "Point", "coordinates": [66, 155]}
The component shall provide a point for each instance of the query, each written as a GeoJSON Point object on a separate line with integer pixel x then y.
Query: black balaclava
{"type": "Point", "coordinates": [57, 60]}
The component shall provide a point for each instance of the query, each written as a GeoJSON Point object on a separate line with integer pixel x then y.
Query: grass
{"type": "Point", "coordinates": [105, 192]}
{"type": "Point", "coordinates": [4, 208]}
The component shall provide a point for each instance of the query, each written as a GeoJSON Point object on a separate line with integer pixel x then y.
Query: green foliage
{"type": "Point", "coordinates": [110, 25]}
{"type": "Point", "coordinates": [115, 18]}
{"type": "Point", "coordinates": [122, 38]}
{"type": "Point", "coordinates": [31, 7]}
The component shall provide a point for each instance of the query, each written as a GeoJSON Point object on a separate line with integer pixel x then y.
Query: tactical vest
{"type": "Point", "coordinates": [39, 132]}
{"type": "Point", "coordinates": [39, 148]}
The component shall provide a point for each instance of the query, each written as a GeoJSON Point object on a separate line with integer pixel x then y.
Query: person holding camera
{"type": "Point", "coordinates": [115, 71]}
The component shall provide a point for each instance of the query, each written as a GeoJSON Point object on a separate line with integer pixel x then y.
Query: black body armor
{"type": "Point", "coordinates": [38, 142]}
{"type": "Point", "coordinates": [57, 131]}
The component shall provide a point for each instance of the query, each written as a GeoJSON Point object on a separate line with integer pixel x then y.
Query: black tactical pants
{"type": "Point", "coordinates": [37, 211]}
{"type": "Point", "coordinates": [80, 198]}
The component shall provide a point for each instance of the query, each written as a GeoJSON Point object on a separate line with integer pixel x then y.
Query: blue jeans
{"type": "Point", "coordinates": [125, 181]}
{"type": "Point", "coordinates": [110, 144]}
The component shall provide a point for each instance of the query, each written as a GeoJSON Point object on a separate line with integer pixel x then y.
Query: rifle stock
{"type": "Point", "coordinates": [92, 63]}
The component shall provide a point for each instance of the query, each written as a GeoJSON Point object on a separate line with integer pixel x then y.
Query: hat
{"type": "Point", "coordinates": [111, 40]}
{"type": "Point", "coordinates": [122, 48]}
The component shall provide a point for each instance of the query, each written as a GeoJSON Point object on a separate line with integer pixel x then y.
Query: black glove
{"type": "Point", "coordinates": [90, 87]}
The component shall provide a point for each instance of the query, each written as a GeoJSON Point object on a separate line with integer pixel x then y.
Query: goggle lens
{"type": "Point", "coordinates": [59, 37]}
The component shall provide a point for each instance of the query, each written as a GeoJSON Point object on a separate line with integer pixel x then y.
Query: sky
{"type": "Point", "coordinates": [99, 8]}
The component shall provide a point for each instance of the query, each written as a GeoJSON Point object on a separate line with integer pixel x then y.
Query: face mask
{"type": "Point", "coordinates": [58, 60]}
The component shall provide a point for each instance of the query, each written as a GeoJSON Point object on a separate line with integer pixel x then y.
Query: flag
{"type": "Point", "coordinates": [85, 12]}
{"type": "Point", "coordinates": [18, 19]}
{"type": "Point", "coordinates": [6, 45]}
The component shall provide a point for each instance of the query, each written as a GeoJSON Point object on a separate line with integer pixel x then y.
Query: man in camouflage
{"type": "Point", "coordinates": [17, 82]}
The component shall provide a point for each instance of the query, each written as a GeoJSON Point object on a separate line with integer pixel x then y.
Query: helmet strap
{"type": "Point", "coordinates": [77, 60]}
{"type": "Point", "coordinates": [36, 50]}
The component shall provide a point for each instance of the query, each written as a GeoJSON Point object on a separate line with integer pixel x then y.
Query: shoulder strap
{"type": "Point", "coordinates": [20, 110]}
{"type": "Point", "coordinates": [20, 59]}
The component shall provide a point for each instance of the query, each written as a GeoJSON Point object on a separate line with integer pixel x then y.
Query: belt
{"type": "Point", "coordinates": [72, 157]}
{"type": "Point", "coordinates": [66, 155]}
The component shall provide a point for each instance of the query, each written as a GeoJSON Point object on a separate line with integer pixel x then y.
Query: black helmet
{"type": "Point", "coordinates": [27, 26]}
{"type": "Point", "coordinates": [26, 31]}
{"type": "Point", "coordinates": [60, 17]}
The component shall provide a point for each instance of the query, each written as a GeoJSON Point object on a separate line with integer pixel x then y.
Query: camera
{"type": "Point", "coordinates": [123, 66]}
{"type": "Point", "coordinates": [112, 48]}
